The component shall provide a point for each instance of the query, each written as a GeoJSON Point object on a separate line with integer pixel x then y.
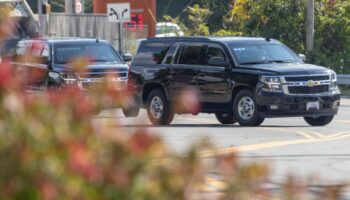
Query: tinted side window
{"type": "Point", "coordinates": [190, 55]}
{"type": "Point", "coordinates": [170, 55]}
{"type": "Point", "coordinates": [213, 51]}
{"type": "Point", "coordinates": [151, 53]}
{"type": "Point", "coordinates": [37, 49]}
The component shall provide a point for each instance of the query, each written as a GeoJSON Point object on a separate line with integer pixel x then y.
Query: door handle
{"type": "Point", "coordinates": [201, 74]}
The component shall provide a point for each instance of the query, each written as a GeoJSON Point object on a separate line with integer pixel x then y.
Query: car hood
{"type": "Point", "coordinates": [288, 69]}
{"type": "Point", "coordinates": [94, 67]}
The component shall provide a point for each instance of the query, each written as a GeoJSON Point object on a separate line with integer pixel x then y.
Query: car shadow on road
{"type": "Point", "coordinates": [284, 126]}
{"type": "Point", "coordinates": [204, 126]}
{"type": "Point", "coordinates": [179, 126]}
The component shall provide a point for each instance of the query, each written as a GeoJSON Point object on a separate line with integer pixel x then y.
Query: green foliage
{"type": "Point", "coordinates": [196, 21]}
{"type": "Point", "coordinates": [283, 20]}
{"type": "Point", "coordinates": [224, 32]}
{"type": "Point", "coordinates": [263, 18]}
{"type": "Point", "coordinates": [332, 36]}
{"type": "Point", "coordinates": [219, 11]}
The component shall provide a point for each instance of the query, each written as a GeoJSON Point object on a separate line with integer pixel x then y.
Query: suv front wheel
{"type": "Point", "coordinates": [158, 108]}
{"type": "Point", "coordinates": [245, 109]}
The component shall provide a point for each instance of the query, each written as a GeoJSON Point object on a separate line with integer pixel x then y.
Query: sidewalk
{"type": "Point", "coordinates": [345, 102]}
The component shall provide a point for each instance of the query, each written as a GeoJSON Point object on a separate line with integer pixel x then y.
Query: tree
{"type": "Point", "coordinates": [263, 18]}
{"type": "Point", "coordinates": [196, 20]}
{"type": "Point", "coordinates": [220, 10]}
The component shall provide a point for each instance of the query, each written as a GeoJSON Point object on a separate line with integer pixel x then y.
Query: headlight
{"type": "Point", "coordinates": [271, 83]}
{"type": "Point", "coordinates": [68, 78]}
{"type": "Point", "coordinates": [334, 83]}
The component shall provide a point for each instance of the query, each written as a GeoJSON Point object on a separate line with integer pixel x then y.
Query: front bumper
{"type": "Point", "coordinates": [281, 105]}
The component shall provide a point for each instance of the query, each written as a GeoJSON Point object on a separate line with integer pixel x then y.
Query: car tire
{"type": "Point", "coordinates": [131, 111]}
{"type": "Point", "coordinates": [245, 109]}
{"type": "Point", "coordinates": [158, 108]}
{"type": "Point", "coordinates": [225, 118]}
{"type": "Point", "coordinates": [319, 121]}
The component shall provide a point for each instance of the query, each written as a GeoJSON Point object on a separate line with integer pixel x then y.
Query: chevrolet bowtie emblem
{"type": "Point", "coordinates": [311, 83]}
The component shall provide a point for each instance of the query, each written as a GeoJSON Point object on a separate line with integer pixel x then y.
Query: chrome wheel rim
{"type": "Point", "coordinates": [246, 108]}
{"type": "Point", "coordinates": [156, 107]}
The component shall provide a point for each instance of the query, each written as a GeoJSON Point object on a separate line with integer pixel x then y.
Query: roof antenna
{"type": "Point", "coordinates": [97, 40]}
{"type": "Point", "coordinates": [268, 39]}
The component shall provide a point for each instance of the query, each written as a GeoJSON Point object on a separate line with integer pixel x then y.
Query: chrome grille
{"type": "Point", "coordinates": [313, 84]}
{"type": "Point", "coordinates": [308, 90]}
{"type": "Point", "coordinates": [307, 78]}
{"type": "Point", "coordinates": [101, 75]}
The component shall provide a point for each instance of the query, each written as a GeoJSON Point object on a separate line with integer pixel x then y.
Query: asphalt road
{"type": "Point", "coordinates": [289, 145]}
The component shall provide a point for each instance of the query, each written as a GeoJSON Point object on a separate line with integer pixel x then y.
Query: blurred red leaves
{"type": "Point", "coordinates": [187, 102]}
{"type": "Point", "coordinates": [6, 75]}
{"type": "Point", "coordinates": [141, 142]}
{"type": "Point", "coordinates": [82, 162]}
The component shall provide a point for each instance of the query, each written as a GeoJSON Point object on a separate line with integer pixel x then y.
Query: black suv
{"type": "Point", "coordinates": [240, 79]}
{"type": "Point", "coordinates": [49, 67]}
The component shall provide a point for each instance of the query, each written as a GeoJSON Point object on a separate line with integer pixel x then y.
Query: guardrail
{"type": "Point", "coordinates": [343, 79]}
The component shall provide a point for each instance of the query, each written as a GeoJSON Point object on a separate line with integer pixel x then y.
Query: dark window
{"type": "Point", "coordinates": [213, 51]}
{"type": "Point", "coordinates": [65, 53]}
{"type": "Point", "coordinates": [170, 55]}
{"type": "Point", "coordinates": [190, 55]}
{"type": "Point", "coordinates": [37, 49]}
{"type": "Point", "coordinates": [151, 53]}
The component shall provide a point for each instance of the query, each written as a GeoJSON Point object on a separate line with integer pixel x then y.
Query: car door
{"type": "Point", "coordinates": [213, 81]}
{"type": "Point", "coordinates": [31, 64]}
{"type": "Point", "coordinates": [183, 72]}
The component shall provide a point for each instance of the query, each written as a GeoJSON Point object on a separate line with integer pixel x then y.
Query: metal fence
{"type": "Point", "coordinates": [344, 79]}
{"type": "Point", "coordinates": [93, 26]}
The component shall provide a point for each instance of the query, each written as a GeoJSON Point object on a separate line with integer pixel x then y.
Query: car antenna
{"type": "Point", "coordinates": [97, 40]}
{"type": "Point", "coordinates": [268, 39]}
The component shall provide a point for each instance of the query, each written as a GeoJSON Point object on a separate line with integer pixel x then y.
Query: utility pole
{"type": "Point", "coordinates": [42, 17]}
{"type": "Point", "coordinates": [310, 24]}
{"type": "Point", "coordinates": [68, 4]}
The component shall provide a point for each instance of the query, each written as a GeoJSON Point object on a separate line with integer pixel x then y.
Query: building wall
{"type": "Point", "coordinates": [143, 12]}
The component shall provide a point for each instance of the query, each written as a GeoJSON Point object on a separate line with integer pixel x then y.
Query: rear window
{"type": "Point", "coordinates": [151, 53]}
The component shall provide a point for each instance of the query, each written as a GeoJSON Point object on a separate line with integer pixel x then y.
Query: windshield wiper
{"type": "Point", "coordinates": [254, 62]}
{"type": "Point", "coordinates": [280, 61]}
{"type": "Point", "coordinates": [99, 60]}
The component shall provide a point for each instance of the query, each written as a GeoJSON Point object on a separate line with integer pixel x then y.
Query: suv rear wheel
{"type": "Point", "coordinates": [158, 108]}
{"type": "Point", "coordinates": [245, 109]}
{"type": "Point", "coordinates": [319, 121]}
{"type": "Point", "coordinates": [225, 118]}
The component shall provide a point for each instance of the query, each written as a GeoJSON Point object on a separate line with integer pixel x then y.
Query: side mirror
{"type": "Point", "coordinates": [217, 61]}
{"type": "Point", "coordinates": [302, 57]}
{"type": "Point", "coordinates": [127, 57]}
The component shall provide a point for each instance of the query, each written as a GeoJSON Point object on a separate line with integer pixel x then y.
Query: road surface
{"type": "Point", "coordinates": [289, 145]}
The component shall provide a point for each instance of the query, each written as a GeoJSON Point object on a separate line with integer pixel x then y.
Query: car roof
{"type": "Point", "coordinates": [166, 24]}
{"type": "Point", "coordinates": [67, 40]}
{"type": "Point", "coordinates": [222, 39]}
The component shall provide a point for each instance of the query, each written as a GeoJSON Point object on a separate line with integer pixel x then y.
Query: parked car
{"type": "Point", "coordinates": [168, 29]}
{"type": "Point", "coordinates": [239, 79]}
{"type": "Point", "coordinates": [50, 69]}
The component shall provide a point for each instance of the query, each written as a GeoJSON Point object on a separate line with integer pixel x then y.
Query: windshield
{"type": "Point", "coordinates": [97, 52]}
{"type": "Point", "coordinates": [260, 53]}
